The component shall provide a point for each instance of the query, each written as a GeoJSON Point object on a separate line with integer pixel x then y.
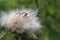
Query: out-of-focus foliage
{"type": "Point", "coordinates": [49, 14]}
{"type": "Point", "coordinates": [14, 4]}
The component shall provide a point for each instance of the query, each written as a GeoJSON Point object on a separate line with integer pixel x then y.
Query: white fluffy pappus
{"type": "Point", "coordinates": [21, 20]}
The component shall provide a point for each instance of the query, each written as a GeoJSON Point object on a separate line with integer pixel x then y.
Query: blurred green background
{"type": "Point", "coordinates": [49, 14]}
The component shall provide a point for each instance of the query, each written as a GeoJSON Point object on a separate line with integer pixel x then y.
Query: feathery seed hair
{"type": "Point", "coordinates": [21, 20]}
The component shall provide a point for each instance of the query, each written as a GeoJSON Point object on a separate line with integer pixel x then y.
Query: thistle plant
{"type": "Point", "coordinates": [20, 21]}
